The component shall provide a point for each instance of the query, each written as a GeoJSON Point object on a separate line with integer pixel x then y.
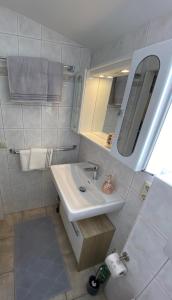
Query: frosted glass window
{"type": "Point", "coordinates": [160, 162]}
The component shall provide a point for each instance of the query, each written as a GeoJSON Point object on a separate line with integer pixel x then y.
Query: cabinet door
{"type": "Point", "coordinates": [145, 103]}
{"type": "Point", "coordinates": [74, 234]}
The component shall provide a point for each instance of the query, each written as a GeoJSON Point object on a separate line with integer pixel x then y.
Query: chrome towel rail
{"type": "Point", "coordinates": [69, 148]}
{"type": "Point", "coordinates": [68, 68]}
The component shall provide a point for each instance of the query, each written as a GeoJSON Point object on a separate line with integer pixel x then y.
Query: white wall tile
{"type": "Point", "coordinates": [145, 248]}
{"type": "Point", "coordinates": [1, 208]}
{"type": "Point", "coordinates": [25, 198]}
{"type": "Point", "coordinates": [2, 136]}
{"type": "Point", "coordinates": [31, 116]}
{"type": "Point", "coordinates": [67, 93]}
{"type": "Point", "coordinates": [125, 219]}
{"type": "Point", "coordinates": [14, 138]}
{"type": "Point", "coordinates": [49, 192]}
{"type": "Point", "coordinates": [35, 198]}
{"type": "Point", "coordinates": [123, 173]}
{"type": "Point", "coordinates": [1, 122]}
{"type": "Point", "coordinates": [120, 289]}
{"type": "Point", "coordinates": [12, 116]}
{"type": "Point", "coordinates": [13, 161]}
{"type": "Point", "coordinates": [32, 138]}
{"type": "Point", "coordinates": [3, 166]}
{"type": "Point", "coordinates": [164, 278]}
{"type": "Point", "coordinates": [63, 157]}
{"type": "Point", "coordinates": [50, 115]}
{"type": "Point", "coordinates": [85, 58]}
{"type": "Point", "coordinates": [7, 197]}
{"type": "Point", "coordinates": [19, 178]}
{"type": "Point", "coordinates": [4, 177]}
{"type": "Point", "coordinates": [29, 28]}
{"type": "Point", "coordinates": [68, 137]}
{"type": "Point", "coordinates": [8, 21]}
{"type": "Point", "coordinates": [17, 200]}
{"type": "Point", "coordinates": [29, 47]}
{"type": "Point", "coordinates": [53, 36]}
{"type": "Point", "coordinates": [50, 138]}
{"type": "Point", "coordinates": [26, 189]}
{"type": "Point", "coordinates": [8, 45]}
{"type": "Point", "coordinates": [64, 116]}
{"type": "Point", "coordinates": [71, 56]}
{"type": "Point", "coordinates": [121, 188]}
{"type": "Point", "coordinates": [51, 51]}
{"type": "Point", "coordinates": [158, 207]}
{"type": "Point", "coordinates": [154, 292]}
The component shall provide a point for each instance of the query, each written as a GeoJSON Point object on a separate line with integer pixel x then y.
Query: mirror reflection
{"type": "Point", "coordinates": [102, 97]}
{"type": "Point", "coordinates": [114, 103]}
{"type": "Point", "coordinates": [109, 96]}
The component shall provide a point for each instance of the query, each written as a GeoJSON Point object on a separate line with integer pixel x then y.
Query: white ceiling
{"type": "Point", "coordinates": [91, 22]}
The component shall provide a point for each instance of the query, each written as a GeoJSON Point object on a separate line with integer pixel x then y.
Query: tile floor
{"type": "Point", "coordinates": [78, 279]}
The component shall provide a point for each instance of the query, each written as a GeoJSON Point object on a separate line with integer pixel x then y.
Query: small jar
{"type": "Point", "coordinates": [107, 186]}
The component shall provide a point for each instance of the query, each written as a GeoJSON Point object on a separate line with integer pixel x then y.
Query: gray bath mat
{"type": "Point", "coordinates": [39, 267]}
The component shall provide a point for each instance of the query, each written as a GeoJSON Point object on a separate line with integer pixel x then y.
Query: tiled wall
{"type": "Point", "coordinates": [23, 126]}
{"type": "Point", "coordinates": [127, 184]}
{"type": "Point", "coordinates": [149, 268]}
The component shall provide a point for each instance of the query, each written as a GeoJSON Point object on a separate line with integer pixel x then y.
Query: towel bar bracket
{"type": "Point", "coordinates": [16, 151]}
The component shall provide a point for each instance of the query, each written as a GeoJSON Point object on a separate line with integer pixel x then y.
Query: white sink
{"type": "Point", "coordinates": [80, 205]}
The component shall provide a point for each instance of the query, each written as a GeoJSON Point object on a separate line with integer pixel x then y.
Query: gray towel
{"type": "Point", "coordinates": [28, 78]}
{"type": "Point", "coordinates": [55, 81]}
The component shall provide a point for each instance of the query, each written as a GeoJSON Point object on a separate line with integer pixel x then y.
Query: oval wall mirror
{"type": "Point", "coordinates": [138, 102]}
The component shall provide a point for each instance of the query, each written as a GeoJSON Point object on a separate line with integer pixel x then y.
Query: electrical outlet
{"type": "Point", "coordinates": [145, 188]}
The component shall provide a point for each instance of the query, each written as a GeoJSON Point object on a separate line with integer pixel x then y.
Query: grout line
{"type": "Point", "coordinates": [41, 34]}
{"type": "Point", "coordinates": [59, 43]}
{"type": "Point", "coordinates": [153, 227]}
{"type": "Point", "coordinates": [18, 33]}
{"type": "Point", "coordinates": [154, 277]}
{"type": "Point", "coordinates": [41, 122]}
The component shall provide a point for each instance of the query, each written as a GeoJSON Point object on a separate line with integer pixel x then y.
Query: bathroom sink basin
{"type": "Point", "coordinates": [80, 196]}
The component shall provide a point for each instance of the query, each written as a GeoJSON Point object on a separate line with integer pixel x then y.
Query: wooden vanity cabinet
{"type": "Point", "coordinates": [90, 239]}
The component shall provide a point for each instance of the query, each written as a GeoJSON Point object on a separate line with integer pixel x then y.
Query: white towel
{"type": "Point", "coordinates": [40, 158]}
{"type": "Point", "coordinates": [24, 159]}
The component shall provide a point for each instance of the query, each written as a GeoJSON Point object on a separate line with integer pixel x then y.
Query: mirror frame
{"type": "Point", "coordinates": [158, 106]}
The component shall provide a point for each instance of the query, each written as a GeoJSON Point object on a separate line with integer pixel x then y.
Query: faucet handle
{"type": "Point", "coordinates": [94, 164]}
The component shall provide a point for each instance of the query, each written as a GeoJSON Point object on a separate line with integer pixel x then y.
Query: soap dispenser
{"type": "Point", "coordinates": [107, 186]}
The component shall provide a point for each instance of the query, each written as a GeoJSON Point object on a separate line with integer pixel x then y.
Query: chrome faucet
{"type": "Point", "coordinates": [94, 168]}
